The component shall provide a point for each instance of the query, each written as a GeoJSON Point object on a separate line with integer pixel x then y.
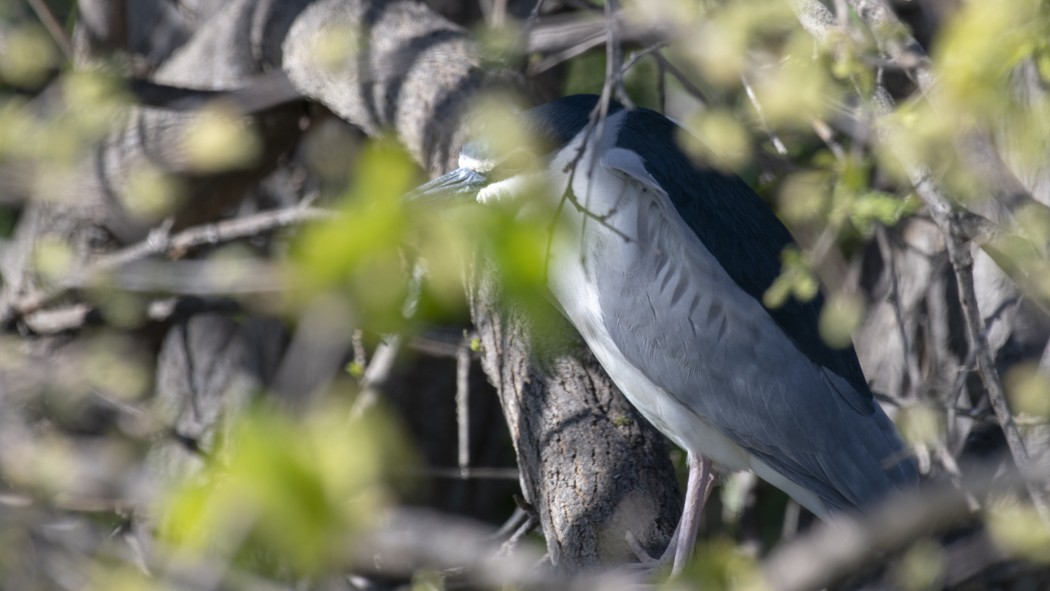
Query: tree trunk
{"type": "Point", "coordinates": [592, 468]}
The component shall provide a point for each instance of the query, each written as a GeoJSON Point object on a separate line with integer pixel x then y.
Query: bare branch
{"type": "Point", "coordinates": [160, 242]}
{"type": "Point", "coordinates": [684, 80]}
{"type": "Point", "coordinates": [773, 137]}
{"type": "Point", "coordinates": [835, 549]}
{"type": "Point", "coordinates": [376, 375]}
{"type": "Point", "coordinates": [54, 28]}
{"type": "Point", "coordinates": [895, 40]}
{"type": "Point", "coordinates": [614, 53]}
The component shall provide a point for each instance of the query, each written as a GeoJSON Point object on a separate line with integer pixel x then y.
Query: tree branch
{"type": "Point", "coordinates": [833, 550]}
{"type": "Point", "coordinates": [43, 12]}
{"type": "Point", "coordinates": [160, 242]}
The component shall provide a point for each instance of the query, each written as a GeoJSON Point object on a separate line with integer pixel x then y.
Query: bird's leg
{"type": "Point", "coordinates": [697, 489]}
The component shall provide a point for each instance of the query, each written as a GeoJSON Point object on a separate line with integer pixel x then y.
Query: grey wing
{"type": "Point", "coordinates": [675, 313]}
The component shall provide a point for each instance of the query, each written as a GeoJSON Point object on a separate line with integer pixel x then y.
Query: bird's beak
{"type": "Point", "coordinates": [462, 182]}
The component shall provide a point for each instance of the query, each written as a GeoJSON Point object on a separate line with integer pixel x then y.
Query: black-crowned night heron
{"type": "Point", "coordinates": [664, 279]}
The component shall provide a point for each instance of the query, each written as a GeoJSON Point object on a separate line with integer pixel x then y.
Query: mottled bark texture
{"type": "Point", "coordinates": [593, 468]}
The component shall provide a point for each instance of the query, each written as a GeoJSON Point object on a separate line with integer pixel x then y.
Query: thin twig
{"type": "Point", "coordinates": [54, 28]}
{"type": "Point", "coordinates": [962, 265]}
{"type": "Point", "coordinates": [901, 47]}
{"type": "Point", "coordinates": [160, 242]}
{"type": "Point", "coordinates": [531, 523]}
{"type": "Point", "coordinates": [382, 365]}
{"type": "Point", "coordinates": [824, 132]}
{"type": "Point", "coordinates": [778, 145]}
{"type": "Point", "coordinates": [357, 342]}
{"type": "Point", "coordinates": [463, 404]}
{"type": "Point", "coordinates": [831, 550]}
{"type": "Point", "coordinates": [76, 316]}
{"type": "Point", "coordinates": [947, 461]}
{"type": "Point", "coordinates": [614, 53]}
{"type": "Point", "coordinates": [687, 84]}
{"type": "Point", "coordinates": [472, 473]}
{"type": "Point", "coordinates": [511, 525]}
{"type": "Point", "coordinates": [534, 15]}
{"type": "Point", "coordinates": [595, 122]}
{"type": "Point", "coordinates": [561, 39]}
{"type": "Point", "coordinates": [376, 375]}
{"type": "Point", "coordinates": [890, 259]}
{"type": "Point", "coordinates": [636, 56]}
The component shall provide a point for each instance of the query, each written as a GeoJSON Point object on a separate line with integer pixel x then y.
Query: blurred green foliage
{"type": "Point", "coordinates": [283, 494]}
{"type": "Point", "coordinates": [719, 564]}
{"type": "Point", "coordinates": [359, 254]}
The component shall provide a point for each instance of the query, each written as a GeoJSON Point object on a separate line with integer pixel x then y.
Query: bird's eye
{"type": "Point", "coordinates": [518, 161]}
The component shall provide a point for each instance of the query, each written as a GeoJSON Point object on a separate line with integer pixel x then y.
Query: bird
{"type": "Point", "coordinates": [663, 277]}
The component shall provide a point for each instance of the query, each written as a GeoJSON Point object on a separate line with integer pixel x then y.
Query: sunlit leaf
{"type": "Point", "coordinates": [841, 316]}
{"type": "Point", "coordinates": [920, 424]}
{"type": "Point", "coordinates": [1018, 529]}
{"type": "Point", "coordinates": [921, 567]}
{"type": "Point", "coordinates": [109, 367]}
{"type": "Point", "coordinates": [219, 140]}
{"type": "Point", "coordinates": [798, 90]}
{"type": "Point", "coordinates": [355, 369]}
{"type": "Point", "coordinates": [876, 207]}
{"type": "Point", "coordinates": [95, 100]}
{"type": "Point", "coordinates": [150, 194]}
{"type": "Point", "coordinates": [804, 196]}
{"type": "Point", "coordinates": [294, 491]}
{"type": "Point", "coordinates": [53, 258]}
{"type": "Point", "coordinates": [716, 138]}
{"type": "Point", "coordinates": [720, 564]}
{"type": "Point", "coordinates": [981, 44]}
{"type": "Point", "coordinates": [796, 280]}
{"type": "Point", "coordinates": [1029, 391]}
{"type": "Point", "coordinates": [27, 54]}
{"type": "Point", "coordinates": [359, 255]}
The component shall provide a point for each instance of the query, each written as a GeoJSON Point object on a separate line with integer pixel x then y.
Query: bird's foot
{"type": "Point", "coordinates": [648, 568]}
{"type": "Point", "coordinates": [643, 557]}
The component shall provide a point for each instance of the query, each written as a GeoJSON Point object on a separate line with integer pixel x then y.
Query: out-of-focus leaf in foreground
{"type": "Point", "coordinates": [719, 564]}
{"type": "Point", "coordinates": [358, 255]}
{"type": "Point", "coordinates": [295, 489]}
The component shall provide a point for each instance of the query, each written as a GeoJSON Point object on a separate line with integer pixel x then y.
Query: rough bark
{"type": "Point", "coordinates": [593, 469]}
